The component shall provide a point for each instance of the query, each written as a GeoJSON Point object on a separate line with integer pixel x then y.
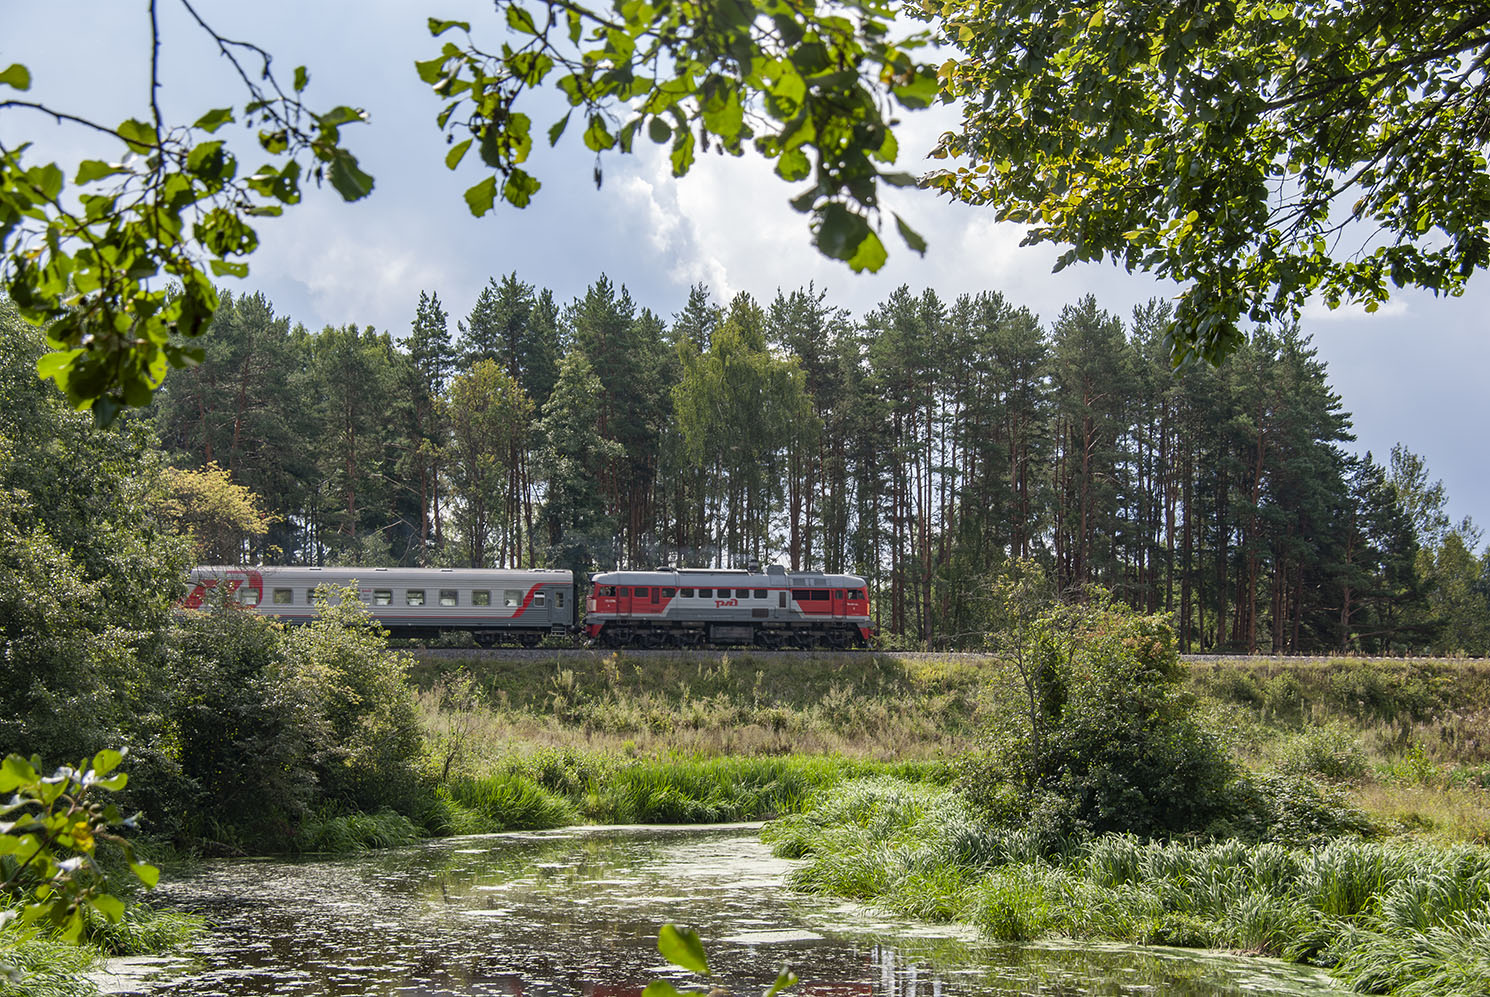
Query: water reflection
{"type": "Point", "coordinates": [576, 912]}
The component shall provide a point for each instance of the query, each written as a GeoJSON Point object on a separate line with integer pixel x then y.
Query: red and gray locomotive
{"type": "Point", "coordinates": [693, 607]}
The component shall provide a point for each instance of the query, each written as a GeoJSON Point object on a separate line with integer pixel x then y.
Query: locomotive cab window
{"type": "Point", "coordinates": [605, 591]}
{"type": "Point", "coordinates": [284, 597]}
{"type": "Point", "coordinates": [706, 593]}
{"type": "Point", "coordinates": [669, 593]}
{"type": "Point", "coordinates": [820, 595]}
{"type": "Point", "coordinates": [414, 597]}
{"type": "Point", "coordinates": [382, 597]}
{"type": "Point", "coordinates": [686, 593]}
{"type": "Point", "coordinates": [760, 593]}
{"type": "Point", "coordinates": [512, 598]}
{"type": "Point", "coordinates": [802, 595]}
{"type": "Point", "coordinates": [640, 593]}
{"type": "Point", "coordinates": [481, 597]}
{"type": "Point", "coordinates": [449, 597]}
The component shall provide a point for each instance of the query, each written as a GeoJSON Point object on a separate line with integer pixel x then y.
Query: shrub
{"type": "Point", "coordinates": [1105, 740]}
{"type": "Point", "coordinates": [1330, 751]}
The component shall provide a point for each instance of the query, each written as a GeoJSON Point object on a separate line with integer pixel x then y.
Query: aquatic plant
{"type": "Point", "coordinates": [1387, 916]}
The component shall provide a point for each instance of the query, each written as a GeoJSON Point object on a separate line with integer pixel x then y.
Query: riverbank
{"type": "Point", "coordinates": [1384, 917]}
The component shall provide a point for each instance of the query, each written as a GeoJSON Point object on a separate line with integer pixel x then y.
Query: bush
{"type": "Point", "coordinates": [1106, 739]}
{"type": "Point", "coordinates": [1332, 752]}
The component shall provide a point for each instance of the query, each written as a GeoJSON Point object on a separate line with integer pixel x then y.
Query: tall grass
{"type": "Point", "coordinates": [339, 833]}
{"type": "Point", "coordinates": [1398, 917]}
{"type": "Point", "coordinates": [43, 966]}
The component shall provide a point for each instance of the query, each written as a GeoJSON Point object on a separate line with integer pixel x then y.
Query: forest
{"type": "Point", "coordinates": [924, 445]}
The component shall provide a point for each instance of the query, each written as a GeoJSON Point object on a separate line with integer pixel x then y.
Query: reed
{"type": "Point", "coordinates": [1388, 916]}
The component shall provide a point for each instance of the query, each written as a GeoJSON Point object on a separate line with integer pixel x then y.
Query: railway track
{"type": "Point", "coordinates": [717, 654]}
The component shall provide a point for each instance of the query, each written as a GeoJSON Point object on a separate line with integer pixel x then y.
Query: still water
{"type": "Point", "coordinates": [575, 912]}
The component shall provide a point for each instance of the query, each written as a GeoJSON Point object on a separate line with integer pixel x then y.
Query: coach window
{"type": "Point", "coordinates": [760, 593]}
{"type": "Point", "coordinates": [248, 596]}
{"type": "Point", "coordinates": [414, 597]}
{"type": "Point", "coordinates": [559, 598]}
{"type": "Point", "coordinates": [481, 597]}
{"type": "Point", "coordinates": [449, 597]}
{"type": "Point", "coordinates": [537, 598]}
{"type": "Point", "coordinates": [382, 597]}
{"type": "Point", "coordinates": [284, 597]}
{"type": "Point", "coordinates": [512, 598]}
{"type": "Point", "coordinates": [706, 593]}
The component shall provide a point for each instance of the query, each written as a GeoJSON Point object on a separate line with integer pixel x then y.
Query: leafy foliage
{"type": "Point", "coordinates": [809, 85]}
{"type": "Point", "coordinates": [50, 830]}
{"type": "Point", "coordinates": [1255, 152]}
{"type": "Point", "coordinates": [1109, 741]}
{"type": "Point", "coordinates": [93, 262]}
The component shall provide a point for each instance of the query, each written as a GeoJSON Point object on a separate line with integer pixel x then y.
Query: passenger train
{"type": "Point", "coordinates": [666, 607]}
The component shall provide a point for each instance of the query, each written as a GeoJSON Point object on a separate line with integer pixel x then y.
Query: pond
{"type": "Point", "coordinates": [575, 912]}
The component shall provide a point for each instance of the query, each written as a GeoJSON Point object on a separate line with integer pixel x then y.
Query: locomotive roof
{"type": "Point", "coordinates": [773, 577]}
{"type": "Point", "coordinates": [394, 576]}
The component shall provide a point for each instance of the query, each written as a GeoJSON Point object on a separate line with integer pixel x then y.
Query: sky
{"type": "Point", "coordinates": [1413, 373]}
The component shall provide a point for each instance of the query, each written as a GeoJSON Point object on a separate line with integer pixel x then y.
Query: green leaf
{"type": "Point", "coordinates": [557, 129]}
{"type": "Point", "coordinates": [520, 188]}
{"type": "Point", "coordinates": [597, 136]}
{"type": "Point", "coordinates": [786, 978]}
{"type": "Point", "coordinates": [348, 179]}
{"type": "Point", "coordinates": [519, 20]}
{"type": "Point", "coordinates": [438, 27]}
{"type": "Point", "coordinates": [456, 154]}
{"type": "Point", "coordinates": [870, 255]}
{"type": "Point", "coordinates": [431, 71]}
{"type": "Point", "coordinates": [911, 236]}
{"type": "Point", "coordinates": [793, 165]}
{"type": "Point", "coordinates": [223, 268]}
{"type": "Point", "coordinates": [214, 119]}
{"type": "Point", "coordinates": [109, 906]}
{"type": "Point", "coordinates": [920, 91]}
{"type": "Point", "coordinates": [17, 77]}
{"type": "Point", "coordinates": [659, 130]}
{"type": "Point", "coordinates": [90, 170]}
{"type": "Point", "coordinates": [54, 366]}
{"type": "Point", "coordinates": [662, 988]}
{"type": "Point", "coordinates": [145, 873]}
{"type": "Point", "coordinates": [682, 947]}
{"type": "Point", "coordinates": [107, 761]}
{"type": "Point", "coordinates": [682, 154]}
{"type": "Point", "coordinates": [301, 78]}
{"type": "Point", "coordinates": [841, 232]}
{"type": "Point", "coordinates": [139, 136]}
{"type": "Point", "coordinates": [480, 197]}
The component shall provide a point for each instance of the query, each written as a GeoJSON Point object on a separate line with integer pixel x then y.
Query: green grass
{"type": "Point", "coordinates": [48, 967]}
{"type": "Point", "coordinates": [339, 833]}
{"type": "Point", "coordinates": [865, 705]}
{"type": "Point", "coordinates": [1385, 916]}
